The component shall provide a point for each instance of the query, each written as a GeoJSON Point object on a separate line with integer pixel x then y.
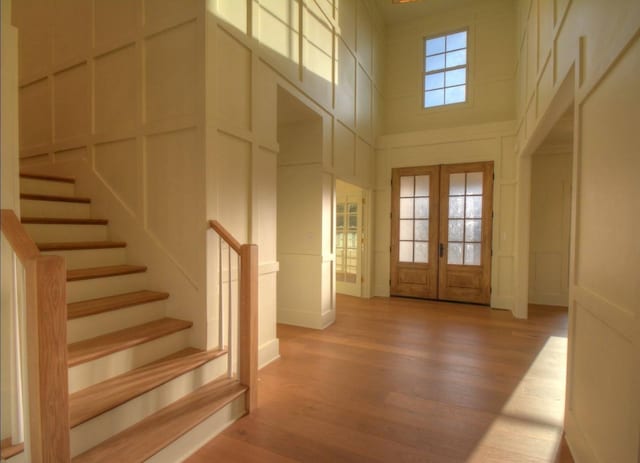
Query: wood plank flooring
{"type": "Point", "coordinates": [401, 380]}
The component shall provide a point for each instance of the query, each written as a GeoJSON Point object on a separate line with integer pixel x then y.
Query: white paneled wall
{"type": "Point", "coordinates": [117, 88]}
{"type": "Point", "coordinates": [590, 51]}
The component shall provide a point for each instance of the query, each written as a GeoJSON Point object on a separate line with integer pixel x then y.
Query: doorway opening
{"type": "Point", "coordinates": [550, 221]}
{"type": "Point", "coordinates": [441, 222]}
{"type": "Point", "coordinates": [350, 238]}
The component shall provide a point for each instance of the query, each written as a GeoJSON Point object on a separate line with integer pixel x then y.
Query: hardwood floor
{"type": "Point", "coordinates": [401, 380]}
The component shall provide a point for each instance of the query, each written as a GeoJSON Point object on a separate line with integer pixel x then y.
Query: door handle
{"type": "Point", "coordinates": [441, 250]}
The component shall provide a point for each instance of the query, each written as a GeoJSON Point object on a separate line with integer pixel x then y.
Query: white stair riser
{"type": "Point", "coordinates": [100, 428]}
{"type": "Point", "coordinates": [59, 209]}
{"type": "Point", "coordinates": [88, 258]}
{"type": "Point", "coordinates": [89, 373]}
{"type": "Point", "coordinates": [46, 187]}
{"type": "Point", "coordinates": [99, 287]}
{"type": "Point", "coordinates": [83, 328]}
{"type": "Point", "coordinates": [193, 440]}
{"type": "Point", "coordinates": [62, 233]}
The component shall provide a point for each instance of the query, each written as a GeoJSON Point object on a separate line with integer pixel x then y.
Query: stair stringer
{"type": "Point", "coordinates": [186, 287]}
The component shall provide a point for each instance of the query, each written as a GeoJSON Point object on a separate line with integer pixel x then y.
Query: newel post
{"type": "Point", "coordinates": [249, 322]}
{"type": "Point", "coordinates": [46, 321]}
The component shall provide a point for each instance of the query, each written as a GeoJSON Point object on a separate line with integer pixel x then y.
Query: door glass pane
{"type": "Point", "coordinates": [421, 252]}
{"type": "Point", "coordinates": [406, 208]}
{"type": "Point", "coordinates": [474, 183]}
{"type": "Point", "coordinates": [422, 230]}
{"type": "Point", "coordinates": [455, 230]}
{"type": "Point", "coordinates": [406, 251]}
{"type": "Point", "coordinates": [406, 186]}
{"type": "Point", "coordinates": [454, 254]}
{"type": "Point", "coordinates": [422, 208]}
{"type": "Point", "coordinates": [353, 208]}
{"type": "Point", "coordinates": [353, 222]}
{"type": "Point", "coordinates": [472, 254]}
{"type": "Point", "coordinates": [474, 207]}
{"type": "Point", "coordinates": [472, 230]}
{"type": "Point", "coordinates": [406, 230]}
{"type": "Point", "coordinates": [456, 207]}
{"type": "Point", "coordinates": [456, 184]}
{"type": "Point", "coordinates": [422, 185]}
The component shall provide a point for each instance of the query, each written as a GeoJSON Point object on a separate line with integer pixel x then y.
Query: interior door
{"type": "Point", "coordinates": [414, 232]}
{"type": "Point", "coordinates": [441, 232]}
{"type": "Point", "coordinates": [466, 192]}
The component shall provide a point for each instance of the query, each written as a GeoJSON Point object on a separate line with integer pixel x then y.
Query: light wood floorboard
{"type": "Point", "coordinates": [402, 380]}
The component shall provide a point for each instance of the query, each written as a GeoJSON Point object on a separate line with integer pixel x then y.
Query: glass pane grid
{"type": "Point", "coordinates": [414, 219]}
{"type": "Point", "coordinates": [445, 70]}
{"type": "Point", "coordinates": [465, 219]}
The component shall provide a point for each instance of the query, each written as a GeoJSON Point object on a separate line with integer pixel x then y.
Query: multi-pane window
{"type": "Point", "coordinates": [465, 219]}
{"type": "Point", "coordinates": [347, 241]}
{"type": "Point", "coordinates": [445, 69]}
{"type": "Point", "coordinates": [414, 219]}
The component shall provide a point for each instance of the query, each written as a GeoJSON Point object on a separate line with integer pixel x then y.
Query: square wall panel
{"type": "Point", "coordinates": [35, 114]}
{"type": "Point", "coordinates": [233, 80]}
{"type": "Point", "coordinates": [115, 21]}
{"type": "Point", "coordinates": [119, 165]}
{"type": "Point", "coordinates": [71, 103]}
{"type": "Point", "coordinates": [116, 96]}
{"type": "Point", "coordinates": [71, 31]}
{"type": "Point", "coordinates": [171, 68]}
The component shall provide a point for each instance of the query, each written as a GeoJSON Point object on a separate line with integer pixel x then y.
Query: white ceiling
{"type": "Point", "coordinates": [400, 12]}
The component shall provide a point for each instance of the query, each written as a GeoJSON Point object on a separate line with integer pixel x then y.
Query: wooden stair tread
{"type": "Point", "coordinates": [63, 221]}
{"type": "Point", "coordinates": [101, 272]}
{"type": "Point", "coordinates": [118, 301]}
{"type": "Point", "coordinates": [7, 450]}
{"type": "Point", "coordinates": [52, 178]}
{"type": "Point", "coordinates": [90, 349]}
{"type": "Point", "coordinates": [64, 199]}
{"type": "Point", "coordinates": [79, 245]}
{"type": "Point", "coordinates": [149, 436]}
{"type": "Point", "coordinates": [99, 398]}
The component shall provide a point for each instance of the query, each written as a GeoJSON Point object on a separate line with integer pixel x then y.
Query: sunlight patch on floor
{"type": "Point", "coordinates": [529, 427]}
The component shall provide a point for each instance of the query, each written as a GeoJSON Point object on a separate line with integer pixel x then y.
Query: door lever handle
{"type": "Point", "coordinates": [441, 247]}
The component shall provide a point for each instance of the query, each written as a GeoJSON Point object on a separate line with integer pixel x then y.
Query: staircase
{"type": "Point", "coordinates": [136, 387]}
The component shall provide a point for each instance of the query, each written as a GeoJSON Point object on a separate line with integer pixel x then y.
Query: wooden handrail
{"type": "Point", "coordinates": [248, 313]}
{"type": "Point", "coordinates": [46, 324]}
{"type": "Point", "coordinates": [16, 235]}
{"type": "Point", "coordinates": [225, 235]}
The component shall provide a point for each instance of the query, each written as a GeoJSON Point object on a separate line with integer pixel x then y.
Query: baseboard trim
{"type": "Point", "coordinates": [268, 352]}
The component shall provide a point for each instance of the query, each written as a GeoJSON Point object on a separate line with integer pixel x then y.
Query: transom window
{"type": "Point", "coordinates": [445, 69]}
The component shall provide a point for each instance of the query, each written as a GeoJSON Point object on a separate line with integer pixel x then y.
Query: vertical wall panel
{"type": "Point", "coordinates": [345, 84]}
{"type": "Point", "coordinates": [171, 83]}
{"type": "Point", "coordinates": [71, 103]}
{"type": "Point", "coordinates": [116, 91]}
{"type": "Point", "coordinates": [35, 114]}
{"type": "Point", "coordinates": [115, 21]}
{"type": "Point", "coordinates": [363, 104]}
{"type": "Point", "coordinates": [119, 165]}
{"type": "Point", "coordinates": [71, 30]}
{"type": "Point", "coordinates": [234, 80]}
{"type": "Point", "coordinates": [175, 196]}
{"type": "Point", "coordinates": [234, 193]}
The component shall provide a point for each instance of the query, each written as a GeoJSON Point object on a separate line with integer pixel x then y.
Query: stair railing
{"type": "Point", "coordinates": [246, 300]}
{"type": "Point", "coordinates": [40, 325]}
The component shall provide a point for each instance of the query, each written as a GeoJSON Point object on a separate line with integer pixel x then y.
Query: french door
{"type": "Point", "coordinates": [441, 232]}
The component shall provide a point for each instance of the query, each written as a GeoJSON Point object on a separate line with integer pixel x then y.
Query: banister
{"type": "Point", "coordinates": [16, 235]}
{"type": "Point", "coordinates": [46, 324]}
{"type": "Point", "coordinates": [225, 235]}
{"type": "Point", "coordinates": [248, 313]}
